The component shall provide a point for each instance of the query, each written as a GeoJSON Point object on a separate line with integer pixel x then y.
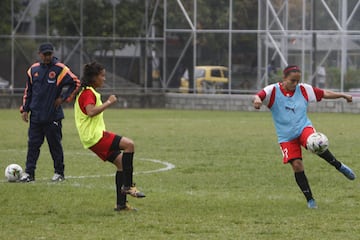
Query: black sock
{"type": "Point", "coordinates": [303, 183]}
{"type": "Point", "coordinates": [327, 155]}
{"type": "Point", "coordinates": [127, 163]}
{"type": "Point", "coordinates": [120, 198]}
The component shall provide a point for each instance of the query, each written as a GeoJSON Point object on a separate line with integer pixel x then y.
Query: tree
{"type": "Point", "coordinates": [64, 20]}
{"type": "Point", "coordinates": [5, 24]}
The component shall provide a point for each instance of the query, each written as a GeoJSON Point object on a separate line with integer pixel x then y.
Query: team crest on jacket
{"type": "Point", "coordinates": [52, 74]}
{"type": "Point", "coordinates": [51, 78]}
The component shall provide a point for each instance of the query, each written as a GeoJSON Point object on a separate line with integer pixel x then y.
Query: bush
{"type": "Point", "coordinates": [333, 78]}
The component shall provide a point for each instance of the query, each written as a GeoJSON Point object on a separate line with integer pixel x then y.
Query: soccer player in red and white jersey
{"type": "Point", "coordinates": [288, 101]}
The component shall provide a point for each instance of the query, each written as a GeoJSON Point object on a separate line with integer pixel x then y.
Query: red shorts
{"type": "Point", "coordinates": [292, 150]}
{"type": "Point", "coordinates": [107, 148]}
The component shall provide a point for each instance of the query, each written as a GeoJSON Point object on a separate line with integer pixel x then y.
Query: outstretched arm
{"type": "Point", "coordinates": [333, 95]}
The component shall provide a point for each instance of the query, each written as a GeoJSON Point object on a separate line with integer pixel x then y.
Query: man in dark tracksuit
{"type": "Point", "coordinates": [43, 97]}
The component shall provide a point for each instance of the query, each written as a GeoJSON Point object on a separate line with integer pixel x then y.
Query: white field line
{"type": "Point", "coordinates": [167, 166]}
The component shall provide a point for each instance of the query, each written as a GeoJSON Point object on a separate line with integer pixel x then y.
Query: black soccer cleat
{"type": "Point", "coordinates": [126, 207]}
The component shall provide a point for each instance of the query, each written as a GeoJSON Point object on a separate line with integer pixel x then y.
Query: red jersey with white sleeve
{"type": "Point", "coordinates": [310, 93]}
{"type": "Point", "coordinates": [293, 127]}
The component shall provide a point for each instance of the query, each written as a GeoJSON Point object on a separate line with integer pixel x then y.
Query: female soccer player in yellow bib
{"type": "Point", "coordinates": [108, 146]}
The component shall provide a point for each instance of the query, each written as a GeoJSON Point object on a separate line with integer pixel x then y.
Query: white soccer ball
{"type": "Point", "coordinates": [317, 143]}
{"type": "Point", "coordinates": [13, 172]}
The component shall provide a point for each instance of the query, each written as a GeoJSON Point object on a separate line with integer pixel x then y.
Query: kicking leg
{"type": "Point", "coordinates": [330, 158]}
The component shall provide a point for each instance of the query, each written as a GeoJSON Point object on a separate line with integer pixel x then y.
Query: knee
{"type": "Point", "coordinates": [128, 145]}
{"type": "Point", "coordinates": [297, 165]}
{"type": "Point", "coordinates": [34, 144]}
{"type": "Point", "coordinates": [131, 145]}
{"type": "Point", "coordinates": [298, 168]}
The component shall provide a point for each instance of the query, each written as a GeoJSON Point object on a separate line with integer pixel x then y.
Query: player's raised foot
{"type": "Point", "coordinates": [126, 207]}
{"type": "Point", "coordinates": [312, 204]}
{"type": "Point", "coordinates": [132, 191]}
{"type": "Point", "coordinates": [57, 178]}
{"type": "Point", "coordinates": [27, 178]}
{"type": "Point", "coordinates": [347, 171]}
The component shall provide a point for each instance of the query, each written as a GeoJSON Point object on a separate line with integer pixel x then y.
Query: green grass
{"type": "Point", "coordinates": [229, 181]}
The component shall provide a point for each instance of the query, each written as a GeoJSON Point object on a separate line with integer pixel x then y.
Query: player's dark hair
{"type": "Point", "coordinates": [90, 71]}
{"type": "Point", "coordinates": [289, 69]}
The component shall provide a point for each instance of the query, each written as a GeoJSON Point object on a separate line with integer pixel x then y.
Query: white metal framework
{"type": "Point", "coordinates": [312, 42]}
{"type": "Point", "coordinates": [288, 31]}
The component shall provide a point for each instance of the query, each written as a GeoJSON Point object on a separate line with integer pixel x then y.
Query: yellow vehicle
{"type": "Point", "coordinates": [208, 79]}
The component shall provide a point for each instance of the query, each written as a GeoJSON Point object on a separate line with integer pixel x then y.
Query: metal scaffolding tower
{"type": "Point", "coordinates": [312, 34]}
{"type": "Point", "coordinates": [321, 33]}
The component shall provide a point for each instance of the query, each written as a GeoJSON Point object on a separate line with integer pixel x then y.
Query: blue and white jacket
{"type": "Point", "coordinates": [45, 83]}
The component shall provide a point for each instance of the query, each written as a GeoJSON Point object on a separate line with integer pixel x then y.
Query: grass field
{"type": "Point", "coordinates": [228, 182]}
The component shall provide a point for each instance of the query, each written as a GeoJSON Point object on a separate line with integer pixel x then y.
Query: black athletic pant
{"type": "Point", "coordinates": [53, 133]}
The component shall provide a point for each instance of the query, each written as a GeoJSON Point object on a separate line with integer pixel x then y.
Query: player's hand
{"type": "Point", "coordinates": [257, 102]}
{"type": "Point", "coordinates": [348, 98]}
{"type": "Point", "coordinates": [25, 116]}
{"type": "Point", "coordinates": [112, 99]}
{"type": "Point", "coordinates": [58, 102]}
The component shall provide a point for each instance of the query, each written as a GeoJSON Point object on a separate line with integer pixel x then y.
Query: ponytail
{"type": "Point", "coordinates": [90, 71]}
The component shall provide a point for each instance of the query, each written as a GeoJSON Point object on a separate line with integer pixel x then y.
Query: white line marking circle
{"type": "Point", "coordinates": [167, 166]}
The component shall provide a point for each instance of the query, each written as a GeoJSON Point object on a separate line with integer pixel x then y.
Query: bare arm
{"type": "Point", "coordinates": [333, 95]}
{"type": "Point", "coordinates": [93, 110]}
